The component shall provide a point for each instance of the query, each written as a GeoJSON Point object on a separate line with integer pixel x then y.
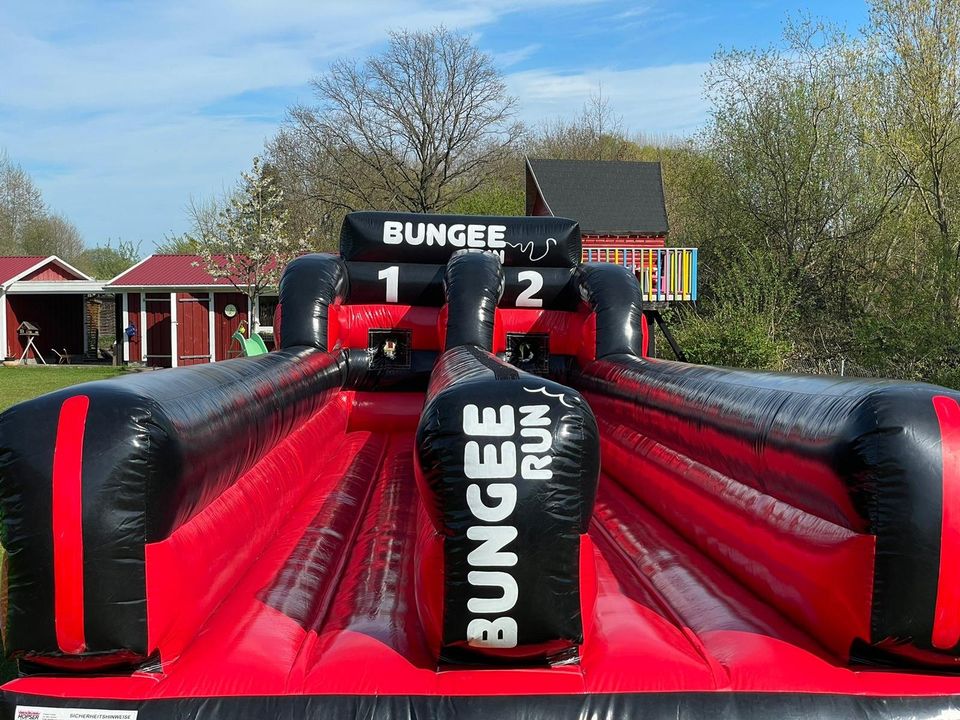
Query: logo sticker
{"type": "Point", "coordinates": [27, 712]}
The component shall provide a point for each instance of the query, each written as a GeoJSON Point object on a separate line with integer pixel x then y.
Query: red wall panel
{"type": "Point", "coordinates": [133, 318]}
{"type": "Point", "coordinates": [158, 330]}
{"type": "Point", "coordinates": [50, 272]}
{"type": "Point", "coordinates": [193, 328]}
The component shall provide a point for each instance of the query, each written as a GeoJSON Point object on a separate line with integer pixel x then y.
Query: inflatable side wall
{"type": "Point", "coordinates": [90, 476]}
{"type": "Point", "coordinates": [828, 497]}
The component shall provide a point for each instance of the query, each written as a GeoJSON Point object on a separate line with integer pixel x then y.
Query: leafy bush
{"type": "Point", "coordinates": [743, 341]}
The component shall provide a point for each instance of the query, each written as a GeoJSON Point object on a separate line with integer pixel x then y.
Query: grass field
{"type": "Point", "coordinates": [25, 382]}
{"type": "Point", "coordinates": [22, 383]}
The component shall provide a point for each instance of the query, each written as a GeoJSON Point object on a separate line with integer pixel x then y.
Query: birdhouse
{"type": "Point", "coordinates": [26, 329]}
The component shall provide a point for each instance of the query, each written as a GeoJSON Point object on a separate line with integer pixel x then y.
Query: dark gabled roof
{"type": "Point", "coordinates": [604, 196]}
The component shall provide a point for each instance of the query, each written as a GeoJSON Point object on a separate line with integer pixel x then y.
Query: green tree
{"type": "Point", "coordinates": [796, 200]}
{"type": "Point", "coordinates": [106, 262]}
{"type": "Point", "coordinates": [184, 244]}
{"type": "Point", "coordinates": [27, 226]}
{"type": "Point", "coordinates": [492, 199]}
{"type": "Point", "coordinates": [21, 204]}
{"type": "Point", "coordinates": [52, 235]}
{"type": "Point", "coordinates": [910, 104]}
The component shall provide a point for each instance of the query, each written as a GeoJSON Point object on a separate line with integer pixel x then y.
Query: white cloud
{"type": "Point", "coordinates": [123, 179]}
{"type": "Point", "coordinates": [184, 54]}
{"type": "Point", "coordinates": [510, 58]}
{"type": "Point", "coordinates": [108, 104]}
{"type": "Point", "coordinates": [667, 99]}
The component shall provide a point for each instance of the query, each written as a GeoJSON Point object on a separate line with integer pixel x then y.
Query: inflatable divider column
{"type": "Point", "coordinates": [473, 284]}
{"type": "Point", "coordinates": [507, 465]}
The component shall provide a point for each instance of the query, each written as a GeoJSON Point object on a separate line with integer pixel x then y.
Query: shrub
{"type": "Point", "coordinates": [743, 341]}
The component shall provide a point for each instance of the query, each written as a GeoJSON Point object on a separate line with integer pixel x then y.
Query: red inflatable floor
{"type": "Point", "coordinates": [327, 607]}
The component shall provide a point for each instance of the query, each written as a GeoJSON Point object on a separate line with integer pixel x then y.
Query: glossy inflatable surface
{"type": "Point", "coordinates": [461, 490]}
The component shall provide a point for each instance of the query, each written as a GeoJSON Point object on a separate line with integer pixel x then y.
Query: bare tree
{"type": "Point", "coordinates": [414, 128]}
{"type": "Point", "coordinates": [206, 216]}
{"type": "Point", "coordinates": [303, 171]}
{"type": "Point", "coordinates": [605, 125]}
{"type": "Point", "coordinates": [597, 133]}
{"type": "Point", "coordinates": [207, 227]}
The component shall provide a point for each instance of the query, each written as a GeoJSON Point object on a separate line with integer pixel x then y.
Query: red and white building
{"type": "Point", "coordinates": [622, 213]}
{"type": "Point", "coordinates": [617, 203]}
{"type": "Point", "coordinates": [50, 294]}
{"type": "Point", "coordinates": [182, 315]}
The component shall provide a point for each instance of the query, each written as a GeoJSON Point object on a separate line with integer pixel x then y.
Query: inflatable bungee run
{"type": "Point", "coordinates": [460, 490]}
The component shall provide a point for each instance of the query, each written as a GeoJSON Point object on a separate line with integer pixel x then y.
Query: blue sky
{"type": "Point", "coordinates": [123, 110]}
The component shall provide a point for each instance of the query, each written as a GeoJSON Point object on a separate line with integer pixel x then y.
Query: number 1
{"type": "Point", "coordinates": [392, 276]}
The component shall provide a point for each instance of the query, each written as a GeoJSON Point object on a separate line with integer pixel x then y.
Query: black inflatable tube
{"type": "Point", "coordinates": [309, 285]}
{"type": "Point", "coordinates": [881, 439]}
{"type": "Point", "coordinates": [158, 448]}
{"type": "Point", "coordinates": [473, 283]}
{"type": "Point", "coordinates": [613, 294]}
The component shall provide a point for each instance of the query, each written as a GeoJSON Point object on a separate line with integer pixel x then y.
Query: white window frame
{"type": "Point", "coordinates": [257, 327]}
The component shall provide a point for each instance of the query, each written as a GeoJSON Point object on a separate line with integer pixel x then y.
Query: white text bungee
{"type": "Point", "coordinates": [459, 235]}
{"type": "Point", "coordinates": [494, 505]}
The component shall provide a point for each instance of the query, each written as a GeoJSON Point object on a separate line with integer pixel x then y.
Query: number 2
{"type": "Point", "coordinates": [526, 298]}
{"type": "Point", "coordinates": [392, 276]}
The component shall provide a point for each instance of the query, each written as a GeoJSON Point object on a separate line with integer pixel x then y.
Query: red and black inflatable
{"type": "Point", "coordinates": [459, 489]}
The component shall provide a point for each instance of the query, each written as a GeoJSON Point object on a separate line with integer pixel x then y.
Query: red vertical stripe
{"type": "Point", "coordinates": [946, 620]}
{"type": "Point", "coordinates": [68, 524]}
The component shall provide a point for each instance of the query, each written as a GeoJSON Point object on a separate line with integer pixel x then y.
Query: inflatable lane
{"type": "Point", "coordinates": [459, 489]}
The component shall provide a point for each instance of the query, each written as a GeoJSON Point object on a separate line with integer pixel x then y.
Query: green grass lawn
{"type": "Point", "coordinates": [28, 381]}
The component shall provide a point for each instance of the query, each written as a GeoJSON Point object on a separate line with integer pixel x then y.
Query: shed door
{"type": "Point", "coordinates": [226, 327]}
{"type": "Point", "coordinates": [158, 330]}
{"type": "Point", "coordinates": [193, 328]}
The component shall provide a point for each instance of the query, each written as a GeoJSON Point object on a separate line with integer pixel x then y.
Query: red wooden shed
{"type": "Point", "coordinates": [181, 314]}
{"type": "Point", "coordinates": [49, 294]}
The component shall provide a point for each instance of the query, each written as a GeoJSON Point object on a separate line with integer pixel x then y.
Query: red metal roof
{"type": "Point", "coordinates": [167, 270]}
{"type": "Point", "coordinates": [13, 265]}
